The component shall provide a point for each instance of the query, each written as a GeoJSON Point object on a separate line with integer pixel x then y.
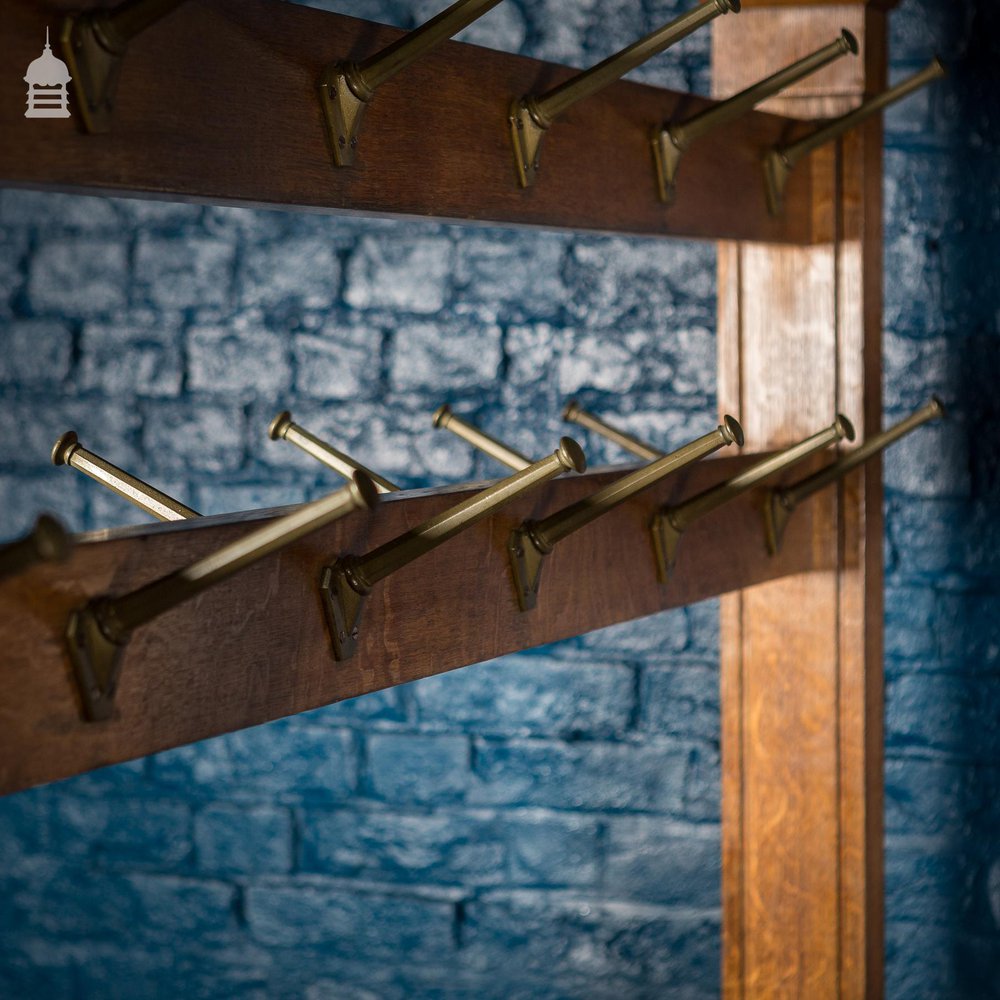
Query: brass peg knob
{"type": "Point", "coordinates": [672, 141]}
{"type": "Point", "coordinates": [671, 522]}
{"type": "Point", "coordinates": [576, 414]}
{"type": "Point", "coordinates": [68, 451]}
{"type": "Point", "coordinates": [446, 418]}
{"type": "Point", "coordinates": [532, 116]}
{"type": "Point", "coordinates": [282, 427]}
{"type": "Point", "coordinates": [780, 161]}
{"type": "Point", "coordinates": [98, 633]}
{"type": "Point", "coordinates": [781, 503]}
{"type": "Point", "coordinates": [531, 542]}
{"type": "Point", "coordinates": [347, 88]}
{"type": "Point", "coordinates": [48, 541]}
{"type": "Point", "coordinates": [348, 581]}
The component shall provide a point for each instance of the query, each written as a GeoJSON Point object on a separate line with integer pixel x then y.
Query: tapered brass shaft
{"type": "Point", "coordinates": [68, 451]}
{"type": "Point", "coordinates": [444, 417]}
{"type": "Point", "coordinates": [46, 542]}
{"type": "Point", "coordinates": [282, 427]}
{"type": "Point", "coordinates": [99, 632]}
{"type": "Point", "coordinates": [574, 413]}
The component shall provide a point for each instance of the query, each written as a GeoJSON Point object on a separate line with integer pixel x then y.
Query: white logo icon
{"type": "Point", "coordinates": [46, 78]}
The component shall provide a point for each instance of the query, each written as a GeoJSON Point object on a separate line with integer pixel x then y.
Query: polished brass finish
{"type": "Point", "coordinates": [99, 631]}
{"type": "Point", "coordinates": [671, 142]}
{"type": "Point", "coordinates": [781, 503]}
{"type": "Point", "coordinates": [46, 542]}
{"type": "Point", "coordinates": [534, 540]}
{"type": "Point", "coordinates": [780, 161]}
{"type": "Point", "coordinates": [94, 46]}
{"type": "Point", "coordinates": [347, 88]}
{"type": "Point", "coordinates": [282, 427]}
{"type": "Point", "coordinates": [444, 417]}
{"type": "Point", "coordinates": [532, 116]}
{"type": "Point", "coordinates": [671, 522]}
{"type": "Point", "coordinates": [67, 451]}
{"type": "Point", "coordinates": [347, 582]}
{"type": "Point", "coordinates": [574, 413]}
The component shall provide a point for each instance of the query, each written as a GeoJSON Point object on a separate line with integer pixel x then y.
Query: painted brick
{"type": "Point", "coordinates": [242, 359]}
{"type": "Point", "coordinates": [301, 272]}
{"type": "Point", "coordinates": [968, 631]}
{"type": "Point", "coordinates": [331, 367]}
{"type": "Point", "coordinates": [139, 353]}
{"type": "Point", "coordinates": [78, 276]}
{"type": "Point", "coordinates": [198, 439]}
{"type": "Point", "coordinates": [933, 462]}
{"type": "Point", "coordinates": [50, 211]}
{"type": "Point", "coordinates": [378, 706]}
{"type": "Point", "coordinates": [418, 768]}
{"type": "Point", "coordinates": [528, 694]}
{"type": "Point", "coordinates": [183, 274]}
{"type": "Point", "coordinates": [681, 700]}
{"type": "Point", "coordinates": [249, 840]}
{"type": "Point", "coordinates": [442, 357]}
{"type": "Point", "coordinates": [655, 638]}
{"type": "Point", "coordinates": [36, 353]}
{"type": "Point", "coordinates": [211, 499]}
{"type": "Point", "coordinates": [553, 849]}
{"type": "Point", "coordinates": [408, 275]}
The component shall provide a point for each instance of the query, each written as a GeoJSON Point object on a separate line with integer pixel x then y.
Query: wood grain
{"type": "Point", "coordinates": [799, 337]}
{"type": "Point", "coordinates": [219, 102]}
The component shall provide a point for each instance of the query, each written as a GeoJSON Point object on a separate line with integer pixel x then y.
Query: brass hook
{"type": "Point", "coordinates": [94, 45]}
{"type": "Point", "coordinates": [671, 142]}
{"type": "Point", "coordinates": [348, 581]}
{"type": "Point", "coordinates": [780, 161]}
{"type": "Point", "coordinates": [532, 116]}
{"type": "Point", "coordinates": [671, 522]}
{"type": "Point", "coordinates": [347, 88]}
{"type": "Point", "coordinates": [781, 503]}
{"type": "Point", "coordinates": [48, 541]}
{"type": "Point", "coordinates": [98, 632]}
{"type": "Point", "coordinates": [444, 417]}
{"type": "Point", "coordinates": [68, 451]}
{"type": "Point", "coordinates": [283, 428]}
{"type": "Point", "coordinates": [576, 414]}
{"type": "Point", "coordinates": [530, 543]}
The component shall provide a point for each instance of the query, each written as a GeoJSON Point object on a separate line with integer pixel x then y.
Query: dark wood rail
{"type": "Point", "coordinates": [255, 648]}
{"type": "Point", "coordinates": [219, 102]}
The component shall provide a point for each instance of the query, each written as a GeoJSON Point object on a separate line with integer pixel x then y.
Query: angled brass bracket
{"type": "Point", "coordinates": [527, 554]}
{"type": "Point", "coordinates": [344, 97]}
{"type": "Point", "coordinates": [526, 134]}
{"type": "Point", "coordinates": [343, 600]}
{"type": "Point", "coordinates": [667, 154]}
{"type": "Point", "coordinates": [777, 170]}
{"type": "Point", "coordinates": [96, 658]}
{"type": "Point", "coordinates": [776, 515]}
{"type": "Point", "coordinates": [666, 537]}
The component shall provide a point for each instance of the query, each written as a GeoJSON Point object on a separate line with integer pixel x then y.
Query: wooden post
{"type": "Point", "coordinates": [800, 338]}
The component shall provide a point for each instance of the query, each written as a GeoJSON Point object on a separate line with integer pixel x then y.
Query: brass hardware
{"type": "Point", "coordinates": [67, 451]}
{"type": "Point", "coordinates": [780, 161]}
{"type": "Point", "coordinates": [670, 522]}
{"type": "Point", "coordinates": [347, 88]}
{"type": "Point", "coordinates": [671, 142]}
{"type": "Point", "coordinates": [532, 116]}
{"type": "Point", "coordinates": [781, 503]}
{"type": "Point", "coordinates": [574, 413]}
{"type": "Point", "coordinates": [534, 540]}
{"type": "Point", "coordinates": [444, 417]}
{"type": "Point", "coordinates": [283, 427]}
{"type": "Point", "coordinates": [98, 632]}
{"type": "Point", "coordinates": [46, 542]}
{"type": "Point", "coordinates": [347, 582]}
{"type": "Point", "coordinates": [94, 46]}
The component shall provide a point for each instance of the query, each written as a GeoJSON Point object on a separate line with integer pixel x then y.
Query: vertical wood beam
{"type": "Point", "coordinates": [801, 672]}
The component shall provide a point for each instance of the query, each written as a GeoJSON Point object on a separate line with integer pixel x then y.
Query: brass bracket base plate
{"type": "Point", "coordinates": [526, 567]}
{"type": "Point", "coordinates": [526, 135]}
{"type": "Point", "coordinates": [96, 661]}
{"type": "Point", "coordinates": [94, 66]}
{"type": "Point", "coordinates": [776, 174]}
{"type": "Point", "coordinates": [343, 111]}
{"type": "Point", "coordinates": [665, 540]}
{"type": "Point", "coordinates": [666, 158]}
{"type": "Point", "coordinates": [343, 605]}
{"type": "Point", "coordinates": [776, 516]}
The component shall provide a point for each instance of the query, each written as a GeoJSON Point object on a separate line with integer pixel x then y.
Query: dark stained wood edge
{"type": "Point", "coordinates": [255, 647]}
{"type": "Point", "coordinates": [219, 103]}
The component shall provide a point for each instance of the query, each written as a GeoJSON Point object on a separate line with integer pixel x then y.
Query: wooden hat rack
{"type": "Point", "coordinates": [125, 642]}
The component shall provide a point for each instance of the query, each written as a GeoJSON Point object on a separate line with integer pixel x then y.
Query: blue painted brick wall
{"type": "Point", "coordinates": [544, 825]}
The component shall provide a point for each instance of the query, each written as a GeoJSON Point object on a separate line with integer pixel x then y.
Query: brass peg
{"type": "Point", "coordinates": [94, 45]}
{"type": "Point", "coordinates": [780, 161]}
{"type": "Point", "coordinates": [348, 581]}
{"type": "Point", "coordinates": [48, 541]}
{"type": "Point", "coordinates": [68, 451]}
{"type": "Point", "coordinates": [671, 142]}
{"type": "Point", "coordinates": [98, 632]}
{"type": "Point", "coordinates": [282, 427]}
{"type": "Point", "coordinates": [576, 414]}
{"type": "Point", "coordinates": [532, 116]}
{"type": "Point", "coordinates": [444, 417]}
{"type": "Point", "coordinates": [347, 88]}
{"type": "Point", "coordinates": [670, 522]}
{"type": "Point", "coordinates": [534, 540]}
{"type": "Point", "coordinates": [780, 503]}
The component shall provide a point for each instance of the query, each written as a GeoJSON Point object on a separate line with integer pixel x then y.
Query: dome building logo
{"type": "Point", "coordinates": [47, 78]}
